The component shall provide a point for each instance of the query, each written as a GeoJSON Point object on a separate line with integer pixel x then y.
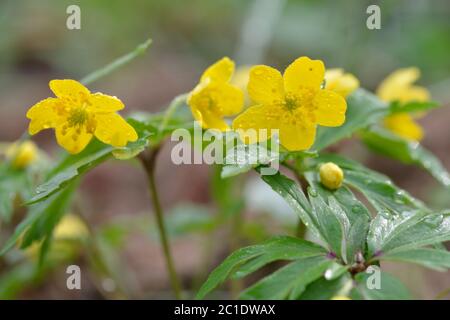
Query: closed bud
{"type": "Point", "coordinates": [331, 176]}
{"type": "Point", "coordinates": [22, 154]}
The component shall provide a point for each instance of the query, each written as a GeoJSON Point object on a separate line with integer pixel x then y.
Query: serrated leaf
{"type": "Point", "coordinates": [352, 215]}
{"type": "Point", "coordinates": [328, 223]}
{"type": "Point", "coordinates": [381, 192]}
{"type": "Point", "coordinates": [296, 199]}
{"type": "Point", "coordinates": [430, 258]}
{"type": "Point", "coordinates": [70, 168]}
{"type": "Point", "coordinates": [390, 288]}
{"type": "Point", "coordinates": [388, 144]}
{"type": "Point", "coordinates": [41, 219]}
{"type": "Point", "coordinates": [292, 247]}
{"type": "Point", "coordinates": [289, 281]}
{"type": "Point", "coordinates": [407, 231]}
{"type": "Point", "coordinates": [363, 109]}
{"type": "Point", "coordinates": [243, 158]}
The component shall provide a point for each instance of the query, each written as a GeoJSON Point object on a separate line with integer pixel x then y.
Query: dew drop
{"type": "Point", "coordinates": [434, 221]}
{"type": "Point", "coordinates": [312, 192]}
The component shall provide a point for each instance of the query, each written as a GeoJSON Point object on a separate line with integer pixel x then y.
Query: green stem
{"type": "Point", "coordinates": [97, 74]}
{"type": "Point", "coordinates": [174, 105]}
{"type": "Point", "coordinates": [148, 159]}
{"type": "Point", "coordinates": [236, 285]}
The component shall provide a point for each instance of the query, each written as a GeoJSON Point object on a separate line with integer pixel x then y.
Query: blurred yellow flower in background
{"type": "Point", "coordinates": [77, 115]}
{"type": "Point", "coordinates": [398, 87]}
{"type": "Point", "coordinates": [22, 154]}
{"type": "Point", "coordinates": [214, 97]}
{"type": "Point", "coordinates": [340, 298]}
{"type": "Point", "coordinates": [293, 103]}
{"type": "Point", "coordinates": [340, 82]}
{"type": "Point", "coordinates": [70, 228]}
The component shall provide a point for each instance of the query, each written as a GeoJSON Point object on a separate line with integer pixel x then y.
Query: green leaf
{"type": "Point", "coordinates": [352, 215]}
{"type": "Point", "coordinates": [328, 222]}
{"type": "Point", "coordinates": [363, 109]}
{"type": "Point", "coordinates": [413, 106]}
{"type": "Point", "coordinates": [323, 289]}
{"type": "Point", "coordinates": [381, 192]}
{"type": "Point", "coordinates": [390, 288]}
{"type": "Point", "coordinates": [430, 258]}
{"type": "Point", "coordinates": [388, 144]}
{"type": "Point", "coordinates": [289, 281]}
{"type": "Point", "coordinates": [243, 158]}
{"type": "Point", "coordinates": [296, 199]}
{"type": "Point", "coordinates": [70, 168]}
{"type": "Point", "coordinates": [282, 247]}
{"type": "Point", "coordinates": [41, 219]}
{"type": "Point", "coordinates": [407, 231]}
{"type": "Point", "coordinates": [13, 184]}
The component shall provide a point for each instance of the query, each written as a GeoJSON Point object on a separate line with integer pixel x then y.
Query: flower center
{"type": "Point", "coordinates": [291, 102]}
{"type": "Point", "coordinates": [78, 116]}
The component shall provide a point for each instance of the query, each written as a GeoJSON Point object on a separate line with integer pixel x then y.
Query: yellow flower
{"type": "Point", "coordinates": [77, 115]}
{"type": "Point", "coordinates": [293, 103]}
{"type": "Point", "coordinates": [214, 97]}
{"type": "Point", "coordinates": [404, 125]}
{"type": "Point", "coordinates": [398, 87]}
{"type": "Point", "coordinates": [331, 175]}
{"type": "Point", "coordinates": [340, 82]}
{"type": "Point", "coordinates": [70, 227]}
{"type": "Point", "coordinates": [22, 154]}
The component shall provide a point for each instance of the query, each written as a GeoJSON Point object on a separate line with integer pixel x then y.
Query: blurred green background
{"type": "Point", "coordinates": [36, 46]}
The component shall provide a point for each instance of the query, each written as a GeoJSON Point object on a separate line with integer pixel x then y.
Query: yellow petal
{"type": "Point", "coordinates": [220, 71]}
{"type": "Point", "coordinates": [114, 130]}
{"type": "Point", "coordinates": [258, 117]}
{"type": "Point", "coordinates": [340, 82]}
{"type": "Point", "coordinates": [403, 125]}
{"type": "Point", "coordinates": [414, 93]}
{"type": "Point", "coordinates": [73, 139]}
{"type": "Point", "coordinates": [208, 119]}
{"type": "Point", "coordinates": [398, 87]}
{"type": "Point", "coordinates": [210, 101]}
{"type": "Point", "coordinates": [44, 115]}
{"type": "Point", "coordinates": [229, 100]}
{"type": "Point", "coordinates": [304, 73]}
{"type": "Point", "coordinates": [330, 108]}
{"type": "Point", "coordinates": [69, 89]}
{"type": "Point", "coordinates": [100, 102]}
{"type": "Point", "coordinates": [265, 85]}
{"type": "Point", "coordinates": [296, 136]}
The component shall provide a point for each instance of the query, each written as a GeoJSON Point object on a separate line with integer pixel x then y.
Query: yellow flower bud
{"type": "Point", "coordinates": [331, 176]}
{"type": "Point", "coordinates": [22, 154]}
{"type": "Point", "coordinates": [340, 298]}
